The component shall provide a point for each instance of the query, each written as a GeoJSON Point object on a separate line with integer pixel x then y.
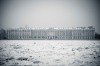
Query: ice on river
{"type": "Point", "coordinates": [49, 53]}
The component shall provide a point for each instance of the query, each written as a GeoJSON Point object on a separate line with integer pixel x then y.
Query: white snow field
{"type": "Point", "coordinates": [49, 53]}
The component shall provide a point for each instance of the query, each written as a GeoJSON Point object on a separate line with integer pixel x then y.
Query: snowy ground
{"type": "Point", "coordinates": [49, 53]}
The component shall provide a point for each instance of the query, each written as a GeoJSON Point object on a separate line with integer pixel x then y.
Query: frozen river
{"type": "Point", "coordinates": [49, 53]}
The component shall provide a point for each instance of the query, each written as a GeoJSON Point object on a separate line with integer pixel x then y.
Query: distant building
{"type": "Point", "coordinates": [79, 33]}
{"type": "Point", "coordinates": [2, 34]}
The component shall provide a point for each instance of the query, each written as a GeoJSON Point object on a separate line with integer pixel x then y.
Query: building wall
{"type": "Point", "coordinates": [2, 34]}
{"type": "Point", "coordinates": [48, 34]}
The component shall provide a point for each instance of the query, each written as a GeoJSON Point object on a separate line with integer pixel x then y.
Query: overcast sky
{"type": "Point", "coordinates": [49, 13]}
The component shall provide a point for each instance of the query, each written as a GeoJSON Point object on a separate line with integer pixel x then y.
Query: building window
{"type": "Point", "coordinates": [34, 36]}
{"type": "Point", "coordinates": [43, 37]}
{"type": "Point", "coordinates": [55, 36]}
{"type": "Point", "coordinates": [39, 37]}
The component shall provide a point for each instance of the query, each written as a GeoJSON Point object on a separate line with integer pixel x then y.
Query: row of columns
{"type": "Point", "coordinates": [50, 34]}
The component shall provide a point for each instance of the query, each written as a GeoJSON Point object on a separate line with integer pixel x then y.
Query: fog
{"type": "Point", "coordinates": [49, 13]}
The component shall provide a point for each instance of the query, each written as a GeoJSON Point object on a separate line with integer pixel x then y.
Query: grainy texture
{"type": "Point", "coordinates": [49, 53]}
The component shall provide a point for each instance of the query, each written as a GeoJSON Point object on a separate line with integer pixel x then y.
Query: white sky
{"type": "Point", "coordinates": [50, 13]}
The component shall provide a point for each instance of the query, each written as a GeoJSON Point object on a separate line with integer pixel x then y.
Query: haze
{"type": "Point", "coordinates": [49, 13]}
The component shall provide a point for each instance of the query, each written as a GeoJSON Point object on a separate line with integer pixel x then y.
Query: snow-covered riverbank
{"type": "Point", "coordinates": [49, 53]}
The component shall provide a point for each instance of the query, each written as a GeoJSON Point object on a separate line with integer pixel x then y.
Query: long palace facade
{"type": "Point", "coordinates": [80, 33]}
